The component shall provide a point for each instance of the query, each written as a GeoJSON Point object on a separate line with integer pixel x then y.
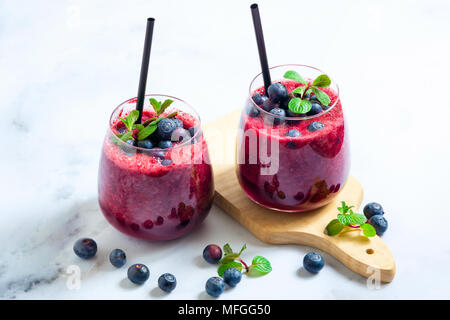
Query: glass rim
{"type": "Point", "coordinates": [294, 118]}
{"type": "Point", "coordinates": [195, 113]}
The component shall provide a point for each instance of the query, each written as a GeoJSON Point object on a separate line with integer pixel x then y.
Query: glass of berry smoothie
{"type": "Point", "coordinates": [155, 179]}
{"type": "Point", "coordinates": [292, 147]}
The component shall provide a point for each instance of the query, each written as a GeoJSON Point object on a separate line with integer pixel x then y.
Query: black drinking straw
{"type": "Point", "coordinates": [261, 45]}
{"type": "Point", "coordinates": [144, 67]}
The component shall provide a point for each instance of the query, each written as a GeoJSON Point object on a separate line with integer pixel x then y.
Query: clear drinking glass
{"type": "Point", "coordinates": [143, 194]}
{"type": "Point", "coordinates": [292, 174]}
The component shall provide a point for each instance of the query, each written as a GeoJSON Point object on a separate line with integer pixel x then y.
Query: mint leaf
{"type": "Point", "coordinates": [165, 105]}
{"type": "Point", "coordinates": [368, 230]}
{"type": "Point", "coordinates": [334, 227]}
{"type": "Point", "coordinates": [298, 91]}
{"type": "Point", "coordinates": [356, 219]}
{"type": "Point", "coordinates": [127, 136]}
{"type": "Point", "coordinates": [242, 249]}
{"type": "Point", "coordinates": [149, 120]}
{"type": "Point", "coordinates": [144, 133]}
{"type": "Point", "coordinates": [138, 126]}
{"type": "Point", "coordinates": [229, 257]}
{"type": "Point", "coordinates": [344, 219]}
{"type": "Point", "coordinates": [305, 106]}
{"type": "Point", "coordinates": [259, 267]}
{"type": "Point", "coordinates": [227, 249]}
{"type": "Point", "coordinates": [297, 105]}
{"type": "Point", "coordinates": [173, 114]}
{"type": "Point", "coordinates": [294, 76]}
{"type": "Point", "coordinates": [229, 265]}
{"type": "Point", "coordinates": [125, 122]}
{"type": "Point", "coordinates": [323, 98]}
{"type": "Point", "coordinates": [156, 105]}
{"type": "Point", "coordinates": [322, 81]}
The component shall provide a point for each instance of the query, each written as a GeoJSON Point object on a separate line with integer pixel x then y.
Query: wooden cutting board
{"type": "Point", "coordinates": [370, 257]}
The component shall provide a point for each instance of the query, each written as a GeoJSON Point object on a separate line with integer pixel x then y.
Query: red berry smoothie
{"type": "Point", "coordinates": [312, 167]}
{"type": "Point", "coordinates": [144, 197]}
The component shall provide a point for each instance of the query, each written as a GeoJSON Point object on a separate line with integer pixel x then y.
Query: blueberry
{"type": "Point", "coordinates": [314, 126]}
{"type": "Point", "coordinates": [307, 96]}
{"type": "Point", "coordinates": [269, 105]}
{"type": "Point", "coordinates": [279, 113]}
{"type": "Point", "coordinates": [138, 273]}
{"type": "Point", "coordinates": [165, 128]}
{"type": "Point", "coordinates": [259, 99]}
{"type": "Point", "coordinates": [167, 282]}
{"type": "Point", "coordinates": [166, 162]}
{"type": "Point", "coordinates": [253, 112]}
{"type": "Point", "coordinates": [292, 133]}
{"type": "Point", "coordinates": [147, 144]}
{"type": "Point", "coordinates": [118, 258]}
{"type": "Point", "coordinates": [212, 253]}
{"type": "Point", "coordinates": [85, 248]}
{"type": "Point", "coordinates": [158, 154]}
{"type": "Point", "coordinates": [165, 144]}
{"type": "Point", "coordinates": [315, 109]}
{"type": "Point", "coordinates": [180, 135]}
{"type": "Point", "coordinates": [193, 130]}
{"type": "Point", "coordinates": [178, 123]}
{"type": "Point", "coordinates": [379, 223]}
{"type": "Point", "coordinates": [277, 92]}
{"type": "Point", "coordinates": [215, 286]}
{"type": "Point", "coordinates": [373, 209]}
{"type": "Point", "coordinates": [232, 276]}
{"type": "Point", "coordinates": [313, 262]}
{"type": "Point", "coordinates": [314, 99]}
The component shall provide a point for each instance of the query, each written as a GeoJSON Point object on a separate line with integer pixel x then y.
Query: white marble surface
{"type": "Point", "coordinates": [65, 64]}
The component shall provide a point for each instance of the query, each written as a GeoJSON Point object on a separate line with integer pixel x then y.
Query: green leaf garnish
{"type": "Point", "coordinates": [299, 106]}
{"type": "Point", "coordinates": [334, 227]}
{"type": "Point", "coordinates": [322, 81]}
{"type": "Point", "coordinates": [232, 264]}
{"type": "Point", "coordinates": [346, 217]}
{"type": "Point", "coordinates": [259, 267]}
{"type": "Point", "coordinates": [368, 230]}
{"type": "Point", "coordinates": [144, 133]}
{"type": "Point", "coordinates": [294, 75]}
{"type": "Point", "coordinates": [323, 98]}
{"type": "Point", "coordinates": [149, 126]}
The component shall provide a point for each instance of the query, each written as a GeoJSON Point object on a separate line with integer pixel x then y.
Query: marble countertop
{"type": "Point", "coordinates": [66, 64]}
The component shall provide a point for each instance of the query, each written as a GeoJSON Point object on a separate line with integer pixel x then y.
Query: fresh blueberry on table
{"type": "Point", "coordinates": [178, 123]}
{"type": "Point", "coordinates": [138, 273]}
{"type": "Point", "coordinates": [315, 126]}
{"type": "Point", "coordinates": [232, 276]}
{"type": "Point", "coordinates": [259, 99]}
{"type": "Point", "coordinates": [315, 109]}
{"type": "Point", "coordinates": [293, 133]}
{"type": "Point", "coordinates": [165, 128]}
{"type": "Point", "coordinates": [167, 282]}
{"type": "Point", "coordinates": [165, 144]}
{"type": "Point", "coordinates": [146, 144]}
{"type": "Point", "coordinates": [118, 258]}
{"type": "Point", "coordinates": [373, 209]}
{"type": "Point", "coordinates": [212, 253]}
{"type": "Point", "coordinates": [215, 286]}
{"type": "Point", "coordinates": [277, 92]}
{"type": "Point", "coordinates": [85, 248]}
{"type": "Point", "coordinates": [379, 223]}
{"type": "Point", "coordinates": [313, 262]}
{"type": "Point", "coordinates": [269, 105]}
{"type": "Point", "coordinates": [279, 113]}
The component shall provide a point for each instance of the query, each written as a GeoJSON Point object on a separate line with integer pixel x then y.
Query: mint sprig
{"type": "Point", "coordinates": [353, 221]}
{"type": "Point", "coordinates": [149, 126]}
{"type": "Point", "coordinates": [299, 104]}
{"type": "Point", "coordinates": [260, 266]}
